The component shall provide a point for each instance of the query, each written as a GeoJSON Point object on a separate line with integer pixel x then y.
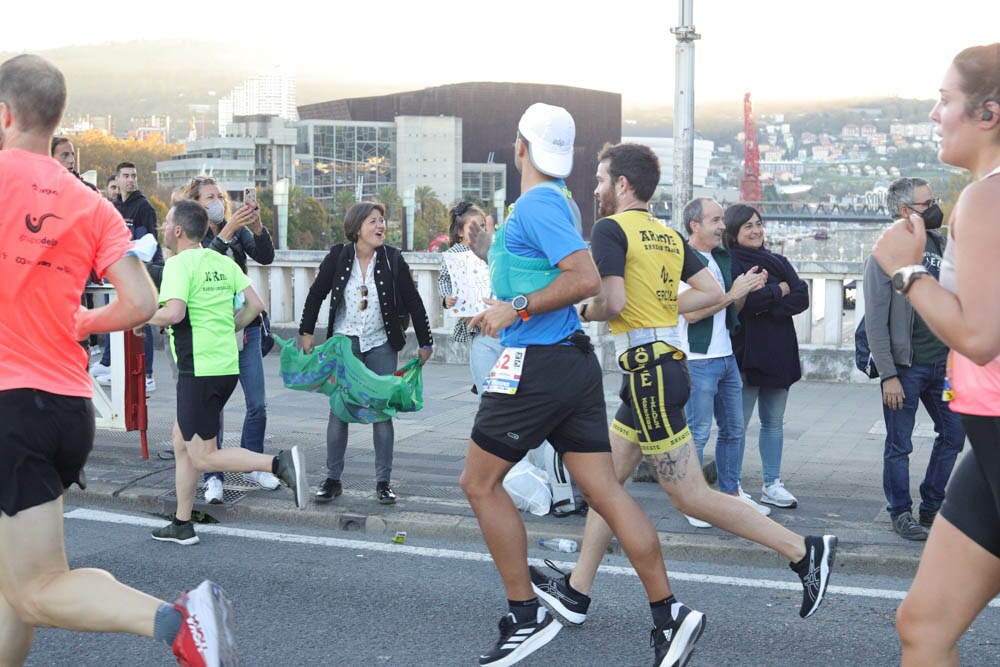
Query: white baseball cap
{"type": "Point", "coordinates": [550, 131]}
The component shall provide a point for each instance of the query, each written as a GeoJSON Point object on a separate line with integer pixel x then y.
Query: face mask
{"type": "Point", "coordinates": [216, 211]}
{"type": "Point", "coordinates": [933, 217]}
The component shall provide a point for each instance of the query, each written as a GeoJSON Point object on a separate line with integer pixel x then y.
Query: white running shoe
{"type": "Point", "coordinates": [213, 490]}
{"type": "Point", "coordinates": [697, 523]}
{"type": "Point", "coordinates": [103, 380]}
{"type": "Point", "coordinates": [745, 497]}
{"type": "Point", "coordinates": [150, 385]}
{"type": "Point", "coordinates": [776, 494]}
{"type": "Point", "coordinates": [265, 480]}
{"type": "Point", "coordinates": [98, 369]}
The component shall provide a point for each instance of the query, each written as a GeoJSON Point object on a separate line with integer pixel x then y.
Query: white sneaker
{"type": "Point", "coordinates": [150, 385]}
{"type": "Point", "coordinates": [697, 523]}
{"type": "Point", "coordinates": [745, 497]}
{"type": "Point", "coordinates": [265, 480]}
{"type": "Point", "coordinates": [99, 369]}
{"type": "Point", "coordinates": [103, 380]}
{"type": "Point", "coordinates": [213, 490]}
{"type": "Point", "coordinates": [96, 351]}
{"type": "Point", "coordinates": [775, 494]}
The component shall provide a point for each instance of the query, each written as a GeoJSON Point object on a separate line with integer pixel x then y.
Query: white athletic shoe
{"type": "Point", "coordinates": [265, 480]}
{"type": "Point", "coordinates": [745, 497]}
{"type": "Point", "coordinates": [697, 523]}
{"type": "Point", "coordinates": [776, 494]}
{"type": "Point", "coordinates": [213, 490]}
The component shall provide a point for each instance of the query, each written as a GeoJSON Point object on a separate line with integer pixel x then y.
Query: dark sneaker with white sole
{"type": "Point", "coordinates": [183, 534]}
{"type": "Point", "coordinates": [519, 640]}
{"type": "Point", "coordinates": [385, 494]}
{"type": "Point", "coordinates": [814, 571]}
{"type": "Point", "coordinates": [571, 604]}
{"type": "Point", "coordinates": [673, 642]}
{"type": "Point", "coordinates": [292, 471]}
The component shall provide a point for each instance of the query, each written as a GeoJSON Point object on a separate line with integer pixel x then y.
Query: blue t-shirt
{"type": "Point", "coordinates": [542, 226]}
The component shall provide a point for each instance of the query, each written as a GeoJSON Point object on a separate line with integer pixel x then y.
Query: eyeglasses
{"type": "Point", "coordinates": [926, 204]}
{"type": "Point", "coordinates": [202, 180]}
{"type": "Point", "coordinates": [364, 296]}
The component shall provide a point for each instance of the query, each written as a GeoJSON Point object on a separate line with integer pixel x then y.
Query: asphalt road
{"type": "Point", "coordinates": [310, 596]}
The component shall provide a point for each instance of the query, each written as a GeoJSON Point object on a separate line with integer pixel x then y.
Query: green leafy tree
{"type": "Point", "coordinates": [309, 225]}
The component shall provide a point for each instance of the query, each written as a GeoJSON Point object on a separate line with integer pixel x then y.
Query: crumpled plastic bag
{"type": "Point", "coordinates": [528, 486]}
{"type": "Point", "coordinates": [357, 394]}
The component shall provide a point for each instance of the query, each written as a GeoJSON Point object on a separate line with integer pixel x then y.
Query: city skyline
{"type": "Point", "coordinates": [779, 50]}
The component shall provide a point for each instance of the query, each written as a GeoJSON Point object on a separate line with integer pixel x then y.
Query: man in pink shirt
{"type": "Point", "coordinates": [54, 231]}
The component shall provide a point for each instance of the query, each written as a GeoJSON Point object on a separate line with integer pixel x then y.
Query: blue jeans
{"type": "Point", "coordinates": [252, 381]}
{"type": "Point", "coordinates": [772, 401]}
{"type": "Point", "coordinates": [147, 346]}
{"type": "Point", "coordinates": [483, 355]}
{"type": "Point", "coordinates": [921, 384]}
{"type": "Point", "coordinates": [381, 360]}
{"type": "Point", "coordinates": [716, 390]}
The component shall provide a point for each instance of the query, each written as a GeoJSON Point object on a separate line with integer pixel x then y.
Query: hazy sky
{"type": "Point", "coordinates": [777, 49]}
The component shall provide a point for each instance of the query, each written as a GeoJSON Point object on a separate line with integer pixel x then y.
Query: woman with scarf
{"type": "Point", "coordinates": [765, 345]}
{"type": "Point", "coordinates": [370, 287]}
{"type": "Point", "coordinates": [239, 235]}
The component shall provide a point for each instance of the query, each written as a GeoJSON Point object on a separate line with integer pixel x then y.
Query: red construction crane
{"type": "Point", "coordinates": [750, 188]}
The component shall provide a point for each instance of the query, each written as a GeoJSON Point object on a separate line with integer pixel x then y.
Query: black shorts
{"type": "Point", "coordinates": [44, 442]}
{"type": "Point", "coordinates": [655, 387]}
{"type": "Point", "coordinates": [560, 398]}
{"type": "Point", "coordinates": [199, 402]}
{"type": "Point", "coordinates": [972, 499]}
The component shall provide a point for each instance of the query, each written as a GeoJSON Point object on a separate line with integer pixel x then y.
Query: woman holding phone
{"type": "Point", "coordinates": [959, 572]}
{"type": "Point", "coordinates": [239, 236]}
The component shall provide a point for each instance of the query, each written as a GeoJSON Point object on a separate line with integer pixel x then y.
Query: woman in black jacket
{"type": "Point", "coordinates": [765, 345]}
{"type": "Point", "coordinates": [371, 291]}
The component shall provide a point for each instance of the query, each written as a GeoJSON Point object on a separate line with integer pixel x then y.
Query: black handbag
{"type": "Point", "coordinates": [266, 337]}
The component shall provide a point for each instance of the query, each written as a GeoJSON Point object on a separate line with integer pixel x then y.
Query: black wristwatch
{"type": "Point", "coordinates": [520, 304]}
{"type": "Point", "coordinates": [903, 279]}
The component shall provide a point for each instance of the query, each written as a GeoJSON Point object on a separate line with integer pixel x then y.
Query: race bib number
{"type": "Point", "coordinates": [506, 372]}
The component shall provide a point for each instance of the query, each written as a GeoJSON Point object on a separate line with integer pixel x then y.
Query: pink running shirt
{"type": "Point", "coordinates": [53, 231]}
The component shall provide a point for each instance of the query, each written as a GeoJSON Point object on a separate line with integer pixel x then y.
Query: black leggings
{"type": "Point", "coordinates": [972, 500]}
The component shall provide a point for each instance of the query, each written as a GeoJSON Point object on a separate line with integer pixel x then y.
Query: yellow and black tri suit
{"type": "Point", "coordinates": [653, 259]}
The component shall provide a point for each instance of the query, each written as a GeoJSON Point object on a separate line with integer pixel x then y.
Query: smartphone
{"type": "Point", "coordinates": [250, 197]}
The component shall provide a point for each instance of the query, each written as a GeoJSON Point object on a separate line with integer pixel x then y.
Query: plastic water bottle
{"type": "Point", "coordinates": [558, 544]}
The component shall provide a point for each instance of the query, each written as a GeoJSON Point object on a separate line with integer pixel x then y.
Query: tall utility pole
{"type": "Point", "coordinates": [683, 109]}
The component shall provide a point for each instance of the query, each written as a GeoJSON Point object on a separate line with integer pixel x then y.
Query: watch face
{"type": "Point", "coordinates": [520, 302]}
{"type": "Point", "coordinates": [897, 281]}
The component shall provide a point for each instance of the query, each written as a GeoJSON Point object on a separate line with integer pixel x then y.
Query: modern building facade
{"type": "Point", "coordinates": [271, 93]}
{"type": "Point", "coordinates": [664, 149]}
{"type": "Point", "coordinates": [488, 114]}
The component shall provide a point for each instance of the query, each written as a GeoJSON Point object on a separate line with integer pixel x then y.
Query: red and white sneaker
{"type": "Point", "coordinates": [207, 637]}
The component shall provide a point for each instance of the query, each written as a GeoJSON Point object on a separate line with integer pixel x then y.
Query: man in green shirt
{"type": "Point", "coordinates": [205, 299]}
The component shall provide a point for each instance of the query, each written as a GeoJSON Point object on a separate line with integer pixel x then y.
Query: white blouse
{"type": "Point", "coordinates": [350, 320]}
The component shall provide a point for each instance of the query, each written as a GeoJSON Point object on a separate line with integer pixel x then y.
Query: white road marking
{"type": "Point", "coordinates": [454, 554]}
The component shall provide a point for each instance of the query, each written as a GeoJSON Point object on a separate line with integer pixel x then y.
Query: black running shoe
{"type": "Point", "coordinates": [558, 594]}
{"type": "Point", "coordinates": [328, 490]}
{"type": "Point", "coordinates": [814, 571]}
{"type": "Point", "coordinates": [673, 642]}
{"type": "Point", "coordinates": [519, 640]}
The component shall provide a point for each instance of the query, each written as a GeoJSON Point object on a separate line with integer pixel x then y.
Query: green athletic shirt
{"type": "Point", "coordinates": [204, 342]}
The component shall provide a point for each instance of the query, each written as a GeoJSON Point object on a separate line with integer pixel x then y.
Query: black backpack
{"type": "Point", "coordinates": [863, 358]}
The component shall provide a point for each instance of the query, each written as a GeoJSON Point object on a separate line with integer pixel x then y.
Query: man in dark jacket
{"type": "Point", "coordinates": [911, 361]}
{"type": "Point", "coordinates": [141, 220]}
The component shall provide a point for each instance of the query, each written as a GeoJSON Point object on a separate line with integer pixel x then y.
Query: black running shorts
{"type": "Point", "coordinates": [655, 387]}
{"type": "Point", "coordinates": [44, 443]}
{"type": "Point", "coordinates": [560, 398]}
{"type": "Point", "coordinates": [199, 402]}
{"type": "Point", "coordinates": [972, 499]}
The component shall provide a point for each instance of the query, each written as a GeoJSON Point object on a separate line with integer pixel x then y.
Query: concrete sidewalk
{"type": "Point", "coordinates": [832, 463]}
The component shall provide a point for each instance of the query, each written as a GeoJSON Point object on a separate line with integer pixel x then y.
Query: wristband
{"type": "Point", "coordinates": [427, 347]}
